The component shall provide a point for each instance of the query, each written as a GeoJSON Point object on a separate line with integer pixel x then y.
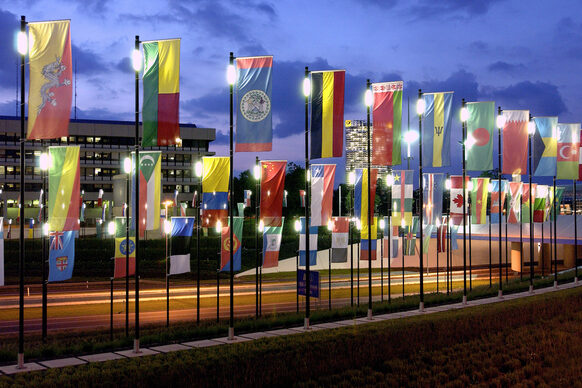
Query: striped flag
{"type": "Point", "coordinates": [322, 177]}
{"type": "Point", "coordinates": [65, 186]}
{"type": "Point", "coordinates": [515, 136]}
{"type": "Point", "coordinates": [454, 237]}
{"type": "Point", "coordinates": [480, 127]}
{"type": "Point", "coordinates": [395, 239]}
{"type": "Point", "coordinates": [442, 235]}
{"type": "Point", "coordinates": [302, 197]}
{"type": "Point", "coordinates": [525, 202]}
{"type": "Point", "coordinates": [100, 198]}
{"type": "Point", "coordinates": [285, 197]}
{"type": "Point", "coordinates": [254, 124]}
{"type": "Point", "coordinates": [540, 203]}
{"type": "Point", "coordinates": [361, 194]}
{"type": "Point", "coordinates": [236, 248]}
{"type": "Point", "coordinates": [183, 207]}
{"type": "Point", "coordinates": [51, 73]}
{"type": "Point", "coordinates": [402, 197]}
{"type": "Point", "coordinates": [123, 247]}
{"type": "Point", "coordinates": [568, 148]}
{"type": "Point", "coordinates": [272, 236]}
{"type": "Point", "coordinates": [436, 129]}
{"type": "Point", "coordinates": [433, 197]}
{"type": "Point", "coordinates": [549, 203]}
{"type": "Point", "coordinates": [557, 198]}
{"type": "Point", "coordinates": [312, 244]}
{"type": "Point", "coordinates": [247, 198]}
{"type": "Point", "coordinates": [215, 179]}
{"type": "Point", "coordinates": [426, 237]}
{"type": "Point", "coordinates": [515, 190]}
{"type": "Point", "coordinates": [339, 239]}
{"type": "Point", "coordinates": [410, 232]}
{"type": "Point", "coordinates": [387, 113]}
{"type": "Point", "coordinates": [373, 240]}
{"type": "Point", "coordinates": [497, 206]}
{"type": "Point", "coordinates": [327, 114]}
{"type": "Point", "coordinates": [479, 201]}
{"type": "Point", "coordinates": [150, 189]}
{"type": "Point", "coordinates": [544, 150]}
{"type": "Point", "coordinates": [161, 93]}
{"type": "Point", "coordinates": [457, 198]}
{"type": "Point", "coordinates": [272, 187]}
{"type": "Point", "coordinates": [181, 240]}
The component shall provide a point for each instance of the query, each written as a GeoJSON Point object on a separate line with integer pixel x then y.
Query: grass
{"type": "Point", "coordinates": [528, 342]}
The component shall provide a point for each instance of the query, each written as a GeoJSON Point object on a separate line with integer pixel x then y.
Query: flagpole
{"type": "Point", "coordinates": [231, 206]}
{"type": "Point", "coordinates": [370, 210]}
{"type": "Point", "coordinates": [137, 204]}
{"type": "Point", "coordinates": [127, 253]}
{"type": "Point", "coordinates": [21, 209]}
{"type": "Point", "coordinates": [555, 238]}
{"type": "Point", "coordinates": [307, 234]}
{"type": "Point", "coordinates": [197, 205]}
{"type": "Point", "coordinates": [506, 250]}
{"type": "Point", "coordinates": [542, 255]}
{"type": "Point", "coordinates": [351, 242]}
{"type": "Point", "coordinates": [575, 236]}
{"type": "Point", "coordinates": [421, 199]}
{"type": "Point", "coordinates": [449, 254]}
{"type": "Point", "coordinates": [500, 292]}
{"type": "Point", "coordinates": [44, 261]}
{"type": "Point", "coordinates": [257, 209]}
{"type": "Point", "coordinates": [531, 225]}
{"type": "Point", "coordinates": [389, 211]}
{"type": "Point", "coordinates": [470, 241]}
{"type": "Point", "coordinates": [464, 128]}
{"type": "Point", "coordinates": [490, 263]}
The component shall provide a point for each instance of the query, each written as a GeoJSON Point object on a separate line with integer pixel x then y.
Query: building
{"type": "Point", "coordinates": [104, 145]}
{"type": "Point", "coordinates": [357, 145]}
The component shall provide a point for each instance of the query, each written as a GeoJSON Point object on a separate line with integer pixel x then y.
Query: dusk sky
{"type": "Point", "coordinates": [522, 55]}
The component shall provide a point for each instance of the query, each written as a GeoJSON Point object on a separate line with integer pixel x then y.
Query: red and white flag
{"type": "Point", "coordinates": [515, 141]}
{"type": "Point", "coordinates": [514, 202]}
{"type": "Point", "coordinates": [457, 197]}
{"type": "Point", "coordinates": [272, 187]}
{"type": "Point", "coordinates": [100, 198]}
{"type": "Point", "coordinates": [339, 240]}
{"type": "Point", "coordinates": [322, 176]}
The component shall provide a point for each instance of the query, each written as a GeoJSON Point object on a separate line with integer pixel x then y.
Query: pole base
{"type": "Point", "coordinates": [576, 280]}
{"type": "Point", "coordinates": [421, 307]}
{"type": "Point", "coordinates": [500, 294]}
{"type": "Point", "coordinates": [231, 333]}
{"type": "Point", "coordinates": [136, 346]}
{"type": "Point", "coordinates": [556, 284]}
{"type": "Point", "coordinates": [306, 324]}
{"type": "Point", "coordinates": [370, 315]}
{"type": "Point", "coordinates": [464, 300]}
{"type": "Point", "coordinates": [531, 289]}
{"type": "Point", "coordinates": [20, 364]}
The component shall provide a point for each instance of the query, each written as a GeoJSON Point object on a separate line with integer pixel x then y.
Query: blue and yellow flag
{"type": "Point", "coordinates": [544, 146]}
{"type": "Point", "coordinates": [361, 194]}
{"type": "Point", "coordinates": [215, 178]}
{"type": "Point", "coordinates": [436, 129]}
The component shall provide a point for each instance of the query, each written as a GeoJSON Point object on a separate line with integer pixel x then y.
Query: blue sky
{"type": "Point", "coordinates": [522, 55]}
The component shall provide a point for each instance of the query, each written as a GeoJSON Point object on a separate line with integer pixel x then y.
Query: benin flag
{"type": "Point", "coordinates": [215, 178]}
{"type": "Point", "coordinates": [327, 114]}
{"type": "Point", "coordinates": [568, 148]}
{"type": "Point", "coordinates": [150, 189]}
{"type": "Point", "coordinates": [387, 113]}
{"type": "Point", "coordinates": [480, 127]}
{"type": "Point", "coordinates": [50, 91]}
{"type": "Point", "coordinates": [436, 129]}
{"type": "Point", "coordinates": [64, 188]}
{"type": "Point", "coordinates": [515, 141]}
{"type": "Point", "coordinates": [479, 200]}
{"type": "Point", "coordinates": [236, 248]}
{"type": "Point", "coordinates": [161, 93]}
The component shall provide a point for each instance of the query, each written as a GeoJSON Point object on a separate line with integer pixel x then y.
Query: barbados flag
{"type": "Point", "coordinates": [361, 195]}
{"type": "Point", "coordinates": [161, 93]}
{"type": "Point", "coordinates": [215, 179]}
{"type": "Point", "coordinates": [545, 146]}
{"type": "Point", "coordinates": [64, 188]}
{"type": "Point", "coordinates": [327, 114]}
{"type": "Point", "coordinates": [436, 129]}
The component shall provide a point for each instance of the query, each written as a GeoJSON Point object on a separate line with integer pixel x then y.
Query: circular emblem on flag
{"type": "Point", "coordinates": [481, 136]}
{"type": "Point", "coordinates": [255, 105]}
{"type": "Point", "coordinates": [565, 152]}
{"type": "Point", "coordinates": [123, 247]}
{"type": "Point", "coordinates": [226, 244]}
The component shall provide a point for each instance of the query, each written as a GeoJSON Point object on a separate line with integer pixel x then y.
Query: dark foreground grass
{"type": "Point", "coordinates": [527, 342]}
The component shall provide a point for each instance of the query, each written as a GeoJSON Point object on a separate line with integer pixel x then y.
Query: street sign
{"type": "Point", "coordinates": [314, 285]}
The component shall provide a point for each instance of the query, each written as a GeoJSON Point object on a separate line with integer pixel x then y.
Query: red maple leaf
{"type": "Point", "coordinates": [458, 200]}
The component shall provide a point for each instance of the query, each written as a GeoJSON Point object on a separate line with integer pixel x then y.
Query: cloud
{"type": "Point", "coordinates": [88, 62]}
{"type": "Point", "coordinates": [504, 67]}
{"type": "Point", "coordinates": [568, 38]}
{"type": "Point", "coordinates": [125, 65]}
{"type": "Point", "coordinates": [9, 24]}
{"type": "Point", "coordinates": [541, 98]}
{"type": "Point", "coordinates": [452, 8]}
{"type": "Point", "coordinates": [99, 114]}
{"type": "Point", "coordinates": [94, 7]}
{"type": "Point", "coordinates": [462, 82]}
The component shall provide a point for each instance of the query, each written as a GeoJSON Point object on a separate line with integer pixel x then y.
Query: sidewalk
{"type": "Point", "coordinates": [222, 341]}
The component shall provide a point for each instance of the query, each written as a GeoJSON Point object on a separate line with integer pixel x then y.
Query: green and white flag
{"type": "Point", "coordinates": [480, 126]}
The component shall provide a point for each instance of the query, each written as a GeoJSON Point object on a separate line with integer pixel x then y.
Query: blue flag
{"type": "Point", "coordinates": [436, 129]}
{"type": "Point", "coordinates": [312, 244]}
{"type": "Point", "coordinates": [61, 255]}
{"type": "Point", "coordinates": [544, 146]}
{"type": "Point", "coordinates": [254, 126]}
{"type": "Point", "coordinates": [454, 236]}
{"type": "Point", "coordinates": [433, 197]}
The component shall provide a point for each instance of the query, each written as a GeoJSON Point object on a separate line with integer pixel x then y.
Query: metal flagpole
{"type": "Point", "coordinates": [470, 244]}
{"type": "Point", "coordinates": [520, 241]}
{"type": "Point", "coordinates": [464, 128]}
{"type": "Point", "coordinates": [231, 207]}
{"type": "Point", "coordinates": [351, 242]}
{"type": "Point", "coordinates": [198, 202]}
{"type": "Point", "coordinates": [370, 210]}
{"type": "Point", "coordinates": [257, 262]}
{"type": "Point", "coordinates": [490, 264]}
{"type": "Point", "coordinates": [218, 257]}
{"type": "Point", "coordinates": [44, 256]}
{"type": "Point", "coordinates": [307, 93]}
{"type": "Point", "coordinates": [555, 212]}
{"type": "Point", "coordinates": [137, 223]}
{"type": "Point", "coordinates": [542, 255]}
{"type": "Point", "coordinates": [389, 211]}
{"type": "Point", "coordinates": [403, 241]}
{"type": "Point", "coordinates": [127, 254]}
{"type": "Point", "coordinates": [500, 292]}
{"type": "Point", "coordinates": [531, 224]}
{"type": "Point", "coordinates": [506, 249]}
{"type": "Point", "coordinates": [421, 200]}
{"type": "Point", "coordinates": [575, 236]}
{"type": "Point", "coordinates": [449, 253]}
{"type": "Point", "coordinates": [167, 275]}
{"type": "Point", "coordinates": [111, 304]}
{"type": "Point", "coordinates": [382, 267]}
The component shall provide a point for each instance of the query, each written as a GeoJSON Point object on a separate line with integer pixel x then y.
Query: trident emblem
{"type": "Point", "coordinates": [438, 130]}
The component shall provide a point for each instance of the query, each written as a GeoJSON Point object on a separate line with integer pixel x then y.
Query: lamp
{"type": "Point", "coordinates": [297, 226]}
{"type": "Point", "coordinates": [22, 43]}
{"type": "Point", "coordinates": [218, 226]}
{"type": "Point", "coordinates": [127, 165]}
{"type": "Point", "coordinates": [465, 114]}
{"type": "Point", "coordinates": [501, 119]}
{"type": "Point", "coordinates": [198, 169]}
{"type": "Point", "coordinates": [351, 177]}
{"type": "Point", "coordinates": [368, 97]}
{"type": "Point", "coordinates": [230, 74]}
{"type": "Point", "coordinates": [420, 106]}
{"type": "Point", "coordinates": [44, 161]}
{"type": "Point", "coordinates": [389, 180]}
{"type": "Point", "coordinates": [306, 87]}
{"type": "Point", "coordinates": [136, 60]}
{"type": "Point", "coordinates": [257, 172]}
{"type": "Point", "coordinates": [111, 228]}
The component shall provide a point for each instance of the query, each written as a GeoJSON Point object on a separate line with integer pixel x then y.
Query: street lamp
{"type": "Point", "coordinates": [257, 176]}
{"type": "Point", "coordinates": [297, 227]}
{"type": "Point", "coordinates": [111, 228]}
{"type": "Point", "coordinates": [410, 137]}
{"type": "Point", "coordinates": [198, 170]}
{"type": "Point", "coordinates": [136, 60]}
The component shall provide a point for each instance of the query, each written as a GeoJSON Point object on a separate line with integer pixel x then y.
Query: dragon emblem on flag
{"type": "Point", "coordinates": [51, 72]}
{"type": "Point", "coordinates": [255, 105]}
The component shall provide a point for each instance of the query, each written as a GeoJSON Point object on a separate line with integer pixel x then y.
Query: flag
{"type": "Point", "coordinates": [272, 187]}
{"type": "Point", "coordinates": [302, 197]}
{"type": "Point", "coordinates": [479, 200]}
{"type": "Point", "coordinates": [557, 199]}
{"type": "Point", "coordinates": [175, 197]}
{"type": "Point", "coordinates": [442, 235]}
{"type": "Point", "coordinates": [373, 240]}
{"type": "Point", "coordinates": [61, 255]}
{"type": "Point", "coordinates": [544, 146]}
{"type": "Point", "coordinates": [457, 197]}
{"type": "Point", "coordinates": [361, 194]}
{"type": "Point", "coordinates": [387, 113]}
{"type": "Point", "coordinates": [82, 216]}
{"type": "Point", "coordinates": [123, 247]}
{"type": "Point", "coordinates": [247, 200]}
{"type": "Point", "coordinates": [322, 177]}
{"type": "Point", "coordinates": [183, 208]}
{"type": "Point", "coordinates": [236, 248]}
{"type": "Point", "coordinates": [161, 93]}
{"type": "Point", "coordinates": [410, 232]}
{"type": "Point", "coordinates": [103, 207]}
{"type": "Point", "coordinates": [390, 232]}
{"type": "Point", "coordinates": [65, 187]}
{"type": "Point", "coordinates": [540, 203]}
{"type": "Point", "coordinates": [312, 244]}
{"type": "Point", "coordinates": [9, 228]}
{"type": "Point", "coordinates": [50, 89]}
{"type": "Point", "coordinates": [254, 126]}
{"type": "Point", "coordinates": [39, 216]}
{"type": "Point", "coordinates": [395, 237]}
{"type": "Point", "coordinates": [327, 114]}
{"type": "Point", "coordinates": [271, 245]}
{"type": "Point", "coordinates": [215, 183]}
{"type": "Point", "coordinates": [497, 206]}
{"type": "Point", "coordinates": [549, 203]}
{"type": "Point", "coordinates": [1, 251]}
{"type": "Point", "coordinates": [515, 191]}
{"type": "Point", "coordinates": [567, 151]}
{"type": "Point", "coordinates": [454, 237]}
{"type": "Point", "coordinates": [100, 198]}
{"type": "Point", "coordinates": [339, 240]}
{"type": "Point", "coordinates": [515, 136]}
{"type": "Point", "coordinates": [525, 202]}
{"type": "Point", "coordinates": [426, 237]}
{"type": "Point", "coordinates": [40, 205]}
{"type": "Point", "coordinates": [241, 209]}
{"type": "Point", "coordinates": [402, 199]}
{"type": "Point", "coordinates": [433, 198]}
{"type": "Point", "coordinates": [181, 238]}
{"type": "Point", "coordinates": [194, 198]}
{"type": "Point", "coordinates": [480, 127]}
{"type": "Point", "coordinates": [150, 187]}
{"type": "Point", "coordinates": [436, 129]}
{"type": "Point", "coordinates": [31, 228]}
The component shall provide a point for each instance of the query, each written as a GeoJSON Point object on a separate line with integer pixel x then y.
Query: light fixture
{"type": "Point", "coordinates": [261, 226]}
{"type": "Point", "coordinates": [389, 180]}
{"type": "Point", "coordinates": [306, 87]}
{"type": "Point", "coordinates": [218, 226]}
{"type": "Point", "coordinates": [382, 224]}
{"type": "Point", "coordinates": [351, 177]}
{"type": "Point", "coordinates": [531, 127]}
{"type": "Point", "coordinates": [464, 114]}
{"type": "Point", "coordinates": [111, 228]}
{"type": "Point", "coordinates": [420, 106]}
{"type": "Point", "coordinates": [368, 98]}
{"type": "Point", "coordinates": [198, 169]}
{"type": "Point", "coordinates": [470, 142]}
{"type": "Point", "coordinates": [330, 225]}
{"type": "Point", "coordinates": [45, 228]}
{"type": "Point", "coordinates": [297, 226]}
{"type": "Point", "coordinates": [438, 223]}
{"type": "Point", "coordinates": [257, 172]}
{"type": "Point", "coordinates": [490, 187]}
{"type": "Point", "coordinates": [402, 223]}
{"type": "Point", "coordinates": [501, 119]}
{"type": "Point", "coordinates": [167, 226]}
{"type": "Point", "coordinates": [136, 60]}
{"type": "Point", "coordinates": [127, 165]}
{"type": "Point", "coordinates": [410, 136]}
{"type": "Point", "coordinates": [44, 161]}
{"type": "Point", "coordinates": [230, 74]}
{"type": "Point", "coordinates": [22, 43]}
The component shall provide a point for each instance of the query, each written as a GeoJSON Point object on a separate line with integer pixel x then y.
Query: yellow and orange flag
{"type": "Point", "coordinates": [64, 188]}
{"type": "Point", "coordinates": [51, 89]}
